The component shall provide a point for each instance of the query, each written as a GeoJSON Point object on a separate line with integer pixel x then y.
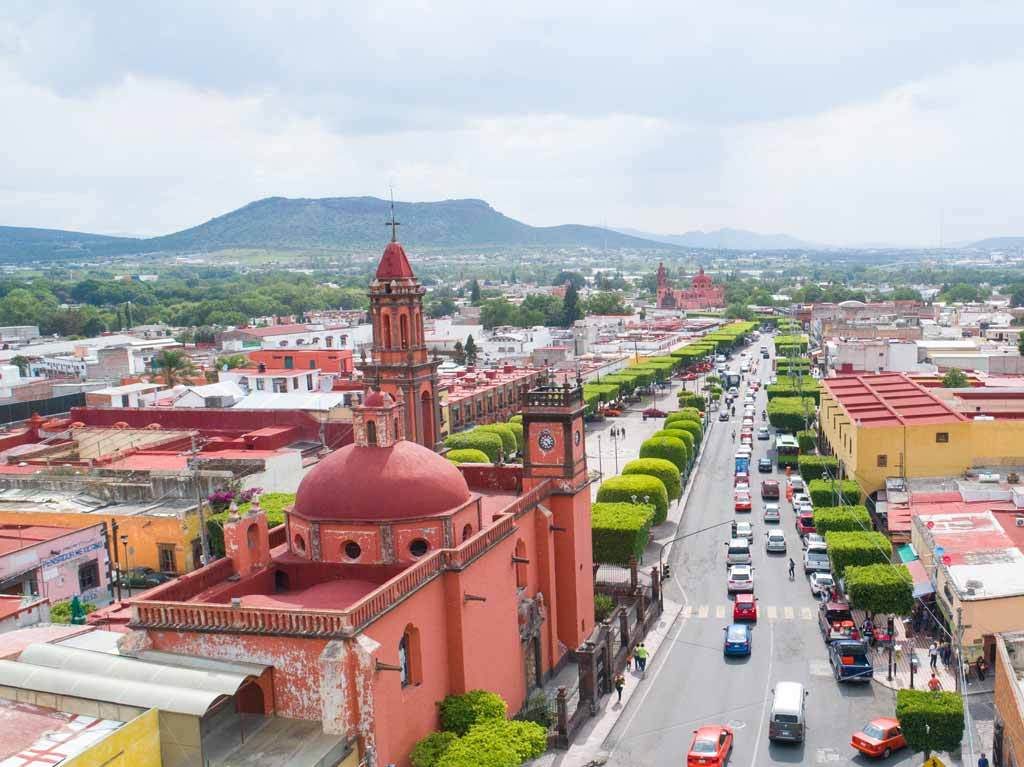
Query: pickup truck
{"type": "Point", "coordinates": [836, 622]}
{"type": "Point", "coordinates": [850, 661]}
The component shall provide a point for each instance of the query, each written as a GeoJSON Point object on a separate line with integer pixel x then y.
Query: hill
{"type": "Point", "coordinates": [726, 239]}
{"type": "Point", "coordinates": [998, 243]}
{"type": "Point", "coordinates": [332, 223]}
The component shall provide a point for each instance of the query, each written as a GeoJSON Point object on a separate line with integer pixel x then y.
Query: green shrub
{"type": "Point", "coordinates": [509, 444]}
{"type": "Point", "coordinates": [537, 707]}
{"type": "Point", "coordinates": [663, 469]}
{"type": "Point", "coordinates": [603, 607]}
{"type": "Point", "coordinates": [428, 750]}
{"type": "Point", "coordinates": [796, 342]}
{"type": "Point", "coordinates": [791, 414]}
{"type": "Point", "coordinates": [274, 504]}
{"type": "Point", "coordinates": [694, 427]}
{"type": "Point", "coordinates": [460, 712]}
{"type": "Point", "coordinates": [619, 531]}
{"type": "Point", "coordinates": [808, 440]}
{"type": "Point", "coordinates": [818, 466]}
{"type": "Point", "coordinates": [517, 418]}
{"type": "Point", "coordinates": [668, 448]}
{"type": "Point", "coordinates": [61, 612]}
{"type": "Point", "coordinates": [880, 588]}
{"type": "Point", "coordinates": [685, 436]}
{"type": "Point", "coordinates": [857, 549]}
{"type": "Point", "coordinates": [684, 414]}
{"type": "Point", "coordinates": [467, 455]}
{"type": "Point", "coordinates": [842, 519]}
{"type": "Point", "coordinates": [517, 430]}
{"type": "Point", "coordinates": [689, 399]}
{"type": "Point", "coordinates": [931, 721]}
{"type": "Point", "coordinates": [824, 492]}
{"type": "Point", "coordinates": [497, 743]}
{"type": "Point", "coordinates": [621, 489]}
{"type": "Point", "coordinates": [490, 444]}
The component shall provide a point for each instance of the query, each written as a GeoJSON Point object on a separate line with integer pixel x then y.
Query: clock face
{"type": "Point", "coordinates": [546, 440]}
{"type": "Point", "coordinates": [577, 437]}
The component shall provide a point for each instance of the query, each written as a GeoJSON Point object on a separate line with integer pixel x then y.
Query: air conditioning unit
{"type": "Point", "coordinates": [1019, 521]}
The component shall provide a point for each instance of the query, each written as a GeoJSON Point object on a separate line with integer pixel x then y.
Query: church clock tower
{"type": "Point", "coordinates": [400, 365]}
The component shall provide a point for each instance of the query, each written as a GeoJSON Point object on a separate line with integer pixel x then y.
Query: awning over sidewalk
{"type": "Point", "coordinates": [922, 584]}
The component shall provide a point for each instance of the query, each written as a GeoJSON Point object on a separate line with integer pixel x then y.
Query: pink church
{"type": "Point", "coordinates": [702, 293]}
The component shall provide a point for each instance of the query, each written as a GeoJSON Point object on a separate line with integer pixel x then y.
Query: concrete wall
{"type": "Point", "coordinates": [1009, 700]}
{"type": "Point", "coordinates": [134, 744]}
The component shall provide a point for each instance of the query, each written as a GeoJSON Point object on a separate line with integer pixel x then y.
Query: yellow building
{"type": "Point", "coordinates": [885, 425]}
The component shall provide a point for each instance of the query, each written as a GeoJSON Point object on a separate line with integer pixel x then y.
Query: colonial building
{"type": "Point", "coordinates": [399, 578]}
{"type": "Point", "coordinates": [702, 293]}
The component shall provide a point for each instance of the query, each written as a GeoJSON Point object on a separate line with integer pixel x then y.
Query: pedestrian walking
{"type": "Point", "coordinates": [933, 655]}
{"type": "Point", "coordinates": [620, 682]}
{"type": "Point", "coordinates": [640, 653]}
{"type": "Point", "coordinates": [983, 761]}
{"type": "Point", "coordinates": [934, 684]}
{"type": "Point", "coordinates": [629, 660]}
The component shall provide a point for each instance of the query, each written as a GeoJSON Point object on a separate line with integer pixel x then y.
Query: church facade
{"type": "Point", "coordinates": [702, 293]}
{"type": "Point", "coordinates": [399, 578]}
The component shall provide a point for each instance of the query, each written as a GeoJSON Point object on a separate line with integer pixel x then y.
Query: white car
{"type": "Point", "coordinates": [812, 539]}
{"type": "Point", "coordinates": [822, 583]}
{"type": "Point", "coordinates": [772, 513]}
{"type": "Point", "coordinates": [775, 542]}
{"type": "Point", "coordinates": [744, 530]}
{"type": "Point", "coordinates": [748, 400]}
{"type": "Point", "coordinates": [797, 483]}
{"type": "Point", "coordinates": [741, 578]}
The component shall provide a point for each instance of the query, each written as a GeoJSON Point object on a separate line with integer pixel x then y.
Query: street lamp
{"type": "Point", "coordinates": [127, 568]}
{"type": "Point", "coordinates": [663, 568]}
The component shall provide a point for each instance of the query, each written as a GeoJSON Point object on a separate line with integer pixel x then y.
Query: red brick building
{"type": "Point", "coordinates": [325, 360]}
{"type": "Point", "coordinates": [702, 293]}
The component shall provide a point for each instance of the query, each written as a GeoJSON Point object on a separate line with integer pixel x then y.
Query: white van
{"type": "Point", "coordinates": [787, 718]}
{"type": "Point", "coordinates": [739, 552]}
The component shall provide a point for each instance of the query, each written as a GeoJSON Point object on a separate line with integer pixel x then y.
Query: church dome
{"type": "Point", "coordinates": [381, 483]}
{"type": "Point", "coordinates": [377, 399]}
{"type": "Point", "coordinates": [394, 265]}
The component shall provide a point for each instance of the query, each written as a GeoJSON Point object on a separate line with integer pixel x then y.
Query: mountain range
{"type": "Point", "coordinates": [726, 239]}
{"type": "Point", "coordinates": [325, 224]}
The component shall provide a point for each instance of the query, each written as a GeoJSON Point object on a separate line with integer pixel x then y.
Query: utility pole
{"type": "Point", "coordinates": [600, 462]}
{"type": "Point", "coordinates": [959, 647]}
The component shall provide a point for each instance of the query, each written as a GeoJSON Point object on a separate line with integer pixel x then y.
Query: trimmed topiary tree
{"type": "Point", "coordinates": [685, 436]}
{"type": "Point", "coordinates": [668, 448]}
{"type": "Point", "coordinates": [824, 492]}
{"type": "Point", "coordinates": [428, 750]}
{"type": "Point", "coordinates": [661, 468]}
{"type": "Point", "coordinates": [490, 444]}
{"type": "Point", "coordinates": [695, 428]}
{"type": "Point", "coordinates": [622, 489]}
{"type": "Point", "coordinates": [842, 519]}
{"type": "Point", "coordinates": [857, 549]}
{"type": "Point", "coordinates": [460, 712]}
{"type": "Point", "coordinates": [517, 418]}
{"type": "Point", "coordinates": [808, 440]}
{"type": "Point", "coordinates": [689, 399]}
{"type": "Point", "coordinates": [880, 588]}
{"type": "Point", "coordinates": [497, 743]}
{"type": "Point", "coordinates": [509, 444]}
{"type": "Point", "coordinates": [931, 721]}
{"type": "Point", "coordinates": [791, 414]}
{"type": "Point", "coordinates": [818, 466]}
{"type": "Point", "coordinates": [517, 430]}
{"type": "Point", "coordinates": [620, 531]}
{"type": "Point", "coordinates": [683, 414]}
{"type": "Point", "coordinates": [467, 455]}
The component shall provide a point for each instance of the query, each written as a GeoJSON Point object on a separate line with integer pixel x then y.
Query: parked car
{"type": "Point", "coordinates": [143, 577]}
{"type": "Point", "coordinates": [822, 583]}
{"type": "Point", "coordinates": [764, 465]}
{"type": "Point", "coordinates": [812, 538]}
{"type": "Point", "coordinates": [770, 489]}
{"type": "Point", "coordinates": [737, 642]}
{"type": "Point", "coordinates": [879, 738]}
{"type": "Point", "coordinates": [741, 501]}
{"type": "Point", "coordinates": [836, 621]}
{"type": "Point", "coordinates": [710, 747]}
{"type": "Point", "coordinates": [612, 412]}
{"type": "Point", "coordinates": [816, 560]}
{"type": "Point", "coordinates": [805, 523]}
{"type": "Point", "coordinates": [763, 433]}
{"type": "Point", "coordinates": [744, 608]}
{"type": "Point", "coordinates": [775, 542]}
{"type": "Point", "coordinates": [653, 412]}
{"type": "Point", "coordinates": [741, 578]}
{"type": "Point", "coordinates": [772, 513]}
{"type": "Point", "coordinates": [850, 660]}
{"type": "Point", "coordinates": [797, 483]}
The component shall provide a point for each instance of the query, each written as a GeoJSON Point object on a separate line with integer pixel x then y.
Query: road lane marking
{"type": "Point", "coordinates": [688, 611]}
{"type": "Point", "coordinates": [767, 692]}
{"type": "Point", "coordinates": [720, 612]}
{"type": "Point", "coordinates": [806, 614]}
{"type": "Point", "coordinates": [773, 612]}
{"type": "Point", "coordinates": [787, 613]}
{"type": "Point", "coordinates": [702, 611]}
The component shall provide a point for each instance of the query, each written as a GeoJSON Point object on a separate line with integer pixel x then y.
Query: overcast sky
{"type": "Point", "coordinates": [837, 122]}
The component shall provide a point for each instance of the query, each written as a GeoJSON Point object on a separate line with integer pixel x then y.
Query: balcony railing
{"type": "Point", "coordinates": [554, 396]}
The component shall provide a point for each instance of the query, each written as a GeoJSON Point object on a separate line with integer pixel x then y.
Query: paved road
{"type": "Point", "coordinates": [691, 683]}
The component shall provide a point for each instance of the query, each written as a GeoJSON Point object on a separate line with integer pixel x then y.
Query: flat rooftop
{"type": "Point", "coordinates": [61, 502]}
{"type": "Point", "coordinates": [889, 399]}
{"type": "Point", "coordinates": [17, 537]}
{"type": "Point", "coordinates": [34, 736]}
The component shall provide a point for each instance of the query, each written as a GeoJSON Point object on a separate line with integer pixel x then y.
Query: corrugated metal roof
{"type": "Point", "coordinates": [889, 399]}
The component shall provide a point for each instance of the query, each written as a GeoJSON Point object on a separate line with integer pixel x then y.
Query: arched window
{"type": "Point", "coordinates": [395, 435]}
{"type": "Point", "coordinates": [409, 659]}
{"type": "Point", "coordinates": [251, 537]}
{"type": "Point", "coordinates": [467, 533]}
{"type": "Point", "coordinates": [385, 331]}
{"type": "Point", "coordinates": [371, 433]}
{"type": "Point", "coordinates": [403, 329]}
{"type": "Point", "coordinates": [299, 543]}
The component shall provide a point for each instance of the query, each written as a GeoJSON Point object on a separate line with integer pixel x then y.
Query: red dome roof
{"type": "Point", "coordinates": [393, 264]}
{"type": "Point", "coordinates": [381, 483]}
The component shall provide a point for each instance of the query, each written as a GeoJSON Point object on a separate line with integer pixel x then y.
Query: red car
{"type": "Point", "coordinates": [744, 608]}
{"type": "Point", "coordinates": [741, 478]}
{"type": "Point", "coordinates": [805, 523]}
{"type": "Point", "coordinates": [770, 489]}
{"type": "Point", "coordinates": [880, 737]}
{"type": "Point", "coordinates": [653, 412]}
{"type": "Point", "coordinates": [710, 746]}
{"type": "Point", "coordinates": [742, 501]}
{"type": "Point", "coordinates": [689, 376]}
{"type": "Point", "coordinates": [612, 412]}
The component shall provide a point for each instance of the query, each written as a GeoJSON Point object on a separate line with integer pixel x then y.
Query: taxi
{"type": "Point", "coordinates": [879, 738]}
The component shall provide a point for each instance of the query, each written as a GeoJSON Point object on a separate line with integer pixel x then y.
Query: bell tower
{"type": "Point", "coordinates": [555, 451]}
{"type": "Point", "coordinates": [401, 366]}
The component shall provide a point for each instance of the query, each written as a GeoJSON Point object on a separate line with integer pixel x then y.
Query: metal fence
{"type": "Point", "coordinates": [22, 411]}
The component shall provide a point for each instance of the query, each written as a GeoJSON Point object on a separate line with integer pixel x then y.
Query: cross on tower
{"type": "Point", "coordinates": [393, 223]}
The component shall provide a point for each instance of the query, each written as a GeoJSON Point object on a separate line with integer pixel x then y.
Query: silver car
{"type": "Point", "coordinates": [775, 542]}
{"type": "Point", "coordinates": [771, 513]}
{"type": "Point", "coordinates": [816, 561]}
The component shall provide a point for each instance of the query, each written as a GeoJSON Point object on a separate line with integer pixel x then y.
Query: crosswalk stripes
{"type": "Point", "coordinates": [769, 612]}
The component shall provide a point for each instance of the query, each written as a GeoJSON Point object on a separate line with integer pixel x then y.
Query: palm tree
{"type": "Point", "coordinates": [174, 365]}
